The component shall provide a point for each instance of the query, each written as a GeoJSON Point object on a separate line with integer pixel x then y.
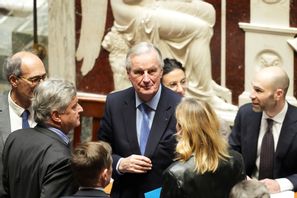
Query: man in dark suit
{"type": "Point", "coordinates": [23, 71]}
{"type": "Point", "coordinates": [91, 164]}
{"type": "Point", "coordinates": [268, 96]}
{"type": "Point", "coordinates": [138, 162]}
{"type": "Point", "coordinates": [36, 161]}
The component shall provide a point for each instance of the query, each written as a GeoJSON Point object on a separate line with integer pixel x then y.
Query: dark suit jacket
{"type": "Point", "coordinates": [4, 131]}
{"type": "Point", "coordinates": [244, 139]}
{"type": "Point", "coordinates": [88, 193]}
{"type": "Point", "coordinates": [36, 163]}
{"type": "Point", "coordinates": [118, 127]}
{"type": "Point", "coordinates": [180, 179]}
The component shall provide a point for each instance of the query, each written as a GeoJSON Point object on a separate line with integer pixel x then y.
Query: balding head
{"type": "Point", "coordinates": [24, 70]}
{"type": "Point", "coordinates": [274, 76]}
{"type": "Point", "coordinates": [21, 62]}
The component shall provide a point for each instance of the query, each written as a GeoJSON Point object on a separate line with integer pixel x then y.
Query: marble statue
{"type": "Point", "coordinates": [181, 29]}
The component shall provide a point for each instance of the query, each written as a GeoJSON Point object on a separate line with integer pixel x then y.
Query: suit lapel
{"type": "Point", "coordinates": [129, 115]}
{"type": "Point", "coordinates": [160, 122]}
{"type": "Point", "coordinates": [4, 117]}
{"type": "Point", "coordinates": [251, 140]}
{"type": "Point", "coordinates": [288, 131]}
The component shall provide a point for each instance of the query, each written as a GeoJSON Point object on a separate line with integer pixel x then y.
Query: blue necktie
{"type": "Point", "coordinates": [145, 127]}
{"type": "Point", "coordinates": [25, 116]}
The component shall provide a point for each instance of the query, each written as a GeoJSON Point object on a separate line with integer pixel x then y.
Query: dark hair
{"type": "Point", "coordinates": [171, 64]}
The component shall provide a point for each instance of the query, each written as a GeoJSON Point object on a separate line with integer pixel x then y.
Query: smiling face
{"type": "Point", "coordinates": [262, 96]}
{"type": "Point", "coordinates": [145, 74]}
{"type": "Point", "coordinates": [268, 90]}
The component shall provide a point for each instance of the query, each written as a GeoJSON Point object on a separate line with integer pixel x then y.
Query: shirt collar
{"type": "Point", "coordinates": [60, 133]}
{"type": "Point", "coordinates": [279, 118]}
{"type": "Point", "coordinates": [90, 188]}
{"type": "Point", "coordinates": [153, 103]}
{"type": "Point", "coordinates": [16, 108]}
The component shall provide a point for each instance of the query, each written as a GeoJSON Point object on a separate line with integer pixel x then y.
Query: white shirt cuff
{"type": "Point", "coordinates": [284, 184]}
{"type": "Point", "coordinates": [117, 167]}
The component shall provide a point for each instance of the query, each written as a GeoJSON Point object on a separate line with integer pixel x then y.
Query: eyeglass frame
{"type": "Point", "coordinates": [34, 80]}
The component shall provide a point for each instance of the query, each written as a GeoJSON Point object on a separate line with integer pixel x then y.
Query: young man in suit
{"type": "Point", "coordinates": [36, 161]}
{"type": "Point", "coordinates": [270, 153]}
{"type": "Point", "coordinates": [139, 124]}
{"type": "Point", "coordinates": [91, 164]}
{"type": "Point", "coordinates": [23, 71]}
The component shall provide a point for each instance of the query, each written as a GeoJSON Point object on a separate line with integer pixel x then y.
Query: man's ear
{"type": "Point", "coordinates": [161, 72]}
{"type": "Point", "coordinates": [279, 93]}
{"type": "Point", "coordinates": [13, 80]}
{"type": "Point", "coordinates": [104, 177]}
{"type": "Point", "coordinates": [55, 115]}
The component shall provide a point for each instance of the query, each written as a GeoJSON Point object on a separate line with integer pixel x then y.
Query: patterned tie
{"type": "Point", "coordinates": [267, 153]}
{"type": "Point", "coordinates": [25, 116]}
{"type": "Point", "coordinates": [144, 128]}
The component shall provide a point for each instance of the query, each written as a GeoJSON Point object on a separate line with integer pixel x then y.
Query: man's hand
{"type": "Point", "coordinates": [135, 164]}
{"type": "Point", "coordinates": [272, 185]}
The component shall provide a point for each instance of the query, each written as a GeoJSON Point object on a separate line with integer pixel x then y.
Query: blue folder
{"type": "Point", "coordinates": [153, 194]}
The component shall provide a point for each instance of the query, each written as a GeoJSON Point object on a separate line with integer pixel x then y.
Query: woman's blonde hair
{"type": "Point", "coordinates": [198, 135]}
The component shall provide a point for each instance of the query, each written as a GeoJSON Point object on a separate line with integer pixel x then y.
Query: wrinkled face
{"type": "Point", "coordinates": [33, 72]}
{"type": "Point", "coordinates": [70, 118]}
{"type": "Point", "coordinates": [145, 75]}
{"type": "Point", "coordinates": [262, 95]}
{"type": "Point", "coordinates": [176, 81]}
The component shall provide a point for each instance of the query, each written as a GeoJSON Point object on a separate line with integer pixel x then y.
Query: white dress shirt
{"type": "Point", "coordinates": [15, 113]}
{"type": "Point", "coordinates": [278, 120]}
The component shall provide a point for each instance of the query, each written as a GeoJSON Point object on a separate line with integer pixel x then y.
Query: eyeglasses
{"type": "Point", "coordinates": [34, 80]}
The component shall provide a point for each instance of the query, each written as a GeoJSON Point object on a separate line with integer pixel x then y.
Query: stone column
{"type": "Point", "coordinates": [61, 39]}
{"type": "Point", "coordinates": [266, 43]}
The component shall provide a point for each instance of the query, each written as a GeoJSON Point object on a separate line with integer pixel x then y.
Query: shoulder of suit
{"type": "Point", "coordinates": [121, 93]}
{"type": "Point", "coordinates": [170, 94]}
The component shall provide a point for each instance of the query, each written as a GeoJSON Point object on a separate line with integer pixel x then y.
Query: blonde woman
{"type": "Point", "coordinates": [205, 167]}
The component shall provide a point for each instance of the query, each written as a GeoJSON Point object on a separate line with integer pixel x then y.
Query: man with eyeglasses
{"type": "Point", "coordinates": [23, 70]}
{"type": "Point", "coordinates": [36, 161]}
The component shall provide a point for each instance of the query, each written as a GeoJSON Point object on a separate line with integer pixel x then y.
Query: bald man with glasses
{"type": "Point", "coordinates": [24, 71]}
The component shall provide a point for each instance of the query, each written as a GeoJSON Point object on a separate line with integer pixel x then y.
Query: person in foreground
{"type": "Point", "coordinates": [36, 161]}
{"type": "Point", "coordinates": [139, 123]}
{"type": "Point", "coordinates": [205, 167]}
{"type": "Point", "coordinates": [91, 165]}
{"type": "Point", "coordinates": [265, 132]}
{"type": "Point", "coordinates": [174, 76]}
{"type": "Point", "coordinates": [23, 71]}
{"type": "Point", "coordinates": [249, 189]}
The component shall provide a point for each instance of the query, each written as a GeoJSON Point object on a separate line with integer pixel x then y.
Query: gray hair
{"type": "Point", "coordinates": [249, 189]}
{"type": "Point", "coordinates": [142, 48]}
{"type": "Point", "coordinates": [51, 95]}
{"type": "Point", "coordinates": [12, 66]}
